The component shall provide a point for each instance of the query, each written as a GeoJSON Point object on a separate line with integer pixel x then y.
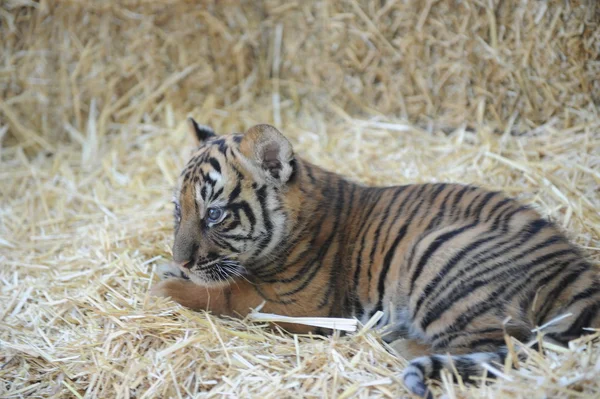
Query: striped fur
{"type": "Point", "coordinates": [447, 264]}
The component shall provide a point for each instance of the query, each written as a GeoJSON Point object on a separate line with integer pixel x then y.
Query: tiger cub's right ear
{"type": "Point", "coordinates": [199, 133]}
{"type": "Point", "coordinates": [269, 152]}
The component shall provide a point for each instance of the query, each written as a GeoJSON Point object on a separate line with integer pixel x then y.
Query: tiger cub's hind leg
{"type": "Point", "coordinates": [569, 306]}
{"type": "Point", "coordinates": [426, 367]}
{"type": "Point", "coordinates": [461, 353]}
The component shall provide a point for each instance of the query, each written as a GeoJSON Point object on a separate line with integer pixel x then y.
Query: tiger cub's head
{"type": "Point", "coordinates": [230, 203]}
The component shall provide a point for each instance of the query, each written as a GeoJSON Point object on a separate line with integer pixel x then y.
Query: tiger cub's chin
{"type": "Point", "coordinates": [169, 270]}
{"type": "Point", "coordinates": [446, 264]}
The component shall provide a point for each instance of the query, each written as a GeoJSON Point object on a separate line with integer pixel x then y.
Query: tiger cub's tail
{"type": "Point", "coordinates": [422, 368]}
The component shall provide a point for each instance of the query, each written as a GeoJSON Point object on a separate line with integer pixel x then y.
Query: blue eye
{"type": "Point", "coordinates": [214, 215]}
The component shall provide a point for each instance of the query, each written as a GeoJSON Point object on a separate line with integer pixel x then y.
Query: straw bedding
{"type": "Point", "coordinates": [503, 94]}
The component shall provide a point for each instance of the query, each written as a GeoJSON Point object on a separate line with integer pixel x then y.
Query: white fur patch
{"type": "Point", "coordinates": [168, 270]}
{"type": "Point", "coordinates": [481, 357]}
{"type": "Point", "coordinates": [216, 176]}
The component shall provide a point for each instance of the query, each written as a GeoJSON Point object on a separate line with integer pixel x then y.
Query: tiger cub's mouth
{"type": "Point", "coordinates": [217, 272]}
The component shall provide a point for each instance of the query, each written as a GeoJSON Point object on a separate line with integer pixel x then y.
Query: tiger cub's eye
{"type": "Point", "coordinates": [214, 215]}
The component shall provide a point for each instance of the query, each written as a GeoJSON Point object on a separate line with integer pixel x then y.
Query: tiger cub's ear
{"type": "Point", "coordinates": [269, 152]}
{"type": "Point", "coordinates": [198, 132]}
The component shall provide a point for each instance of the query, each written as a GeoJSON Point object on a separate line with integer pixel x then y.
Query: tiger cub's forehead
{"type": "Point", "coordinates": [213, 163]}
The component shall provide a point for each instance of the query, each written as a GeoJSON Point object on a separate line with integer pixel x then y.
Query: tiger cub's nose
{"type": "Point", "coordinates": [187, 264]}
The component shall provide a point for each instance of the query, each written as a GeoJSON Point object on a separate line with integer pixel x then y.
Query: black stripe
{"type": "Point", "coordinates": [222, 145]}
{"type": "Point", "coordinates": [215, 194]}
{"type": "Point", "coordinates": [261, 195]}
{"type": "Point", "coordinates": [576, 329]}
{"type": "Point", "coordinates": [309, 172]}
{"type": "Point", "coordinates": [496, 208]}
{"type": "Point", "coordinates": [235, 193]}
{"type": "Point", "coordinates": [310, 250]}
{"type": "Point", "coordinates": [502, 292]}
{"type": "Point", "coordinates": [239, 175]}
{"type": "Point", "coordinates": [233, 223]}
{"type": "Point", "coordinates": [215, 164]}
{"type": "Point", "coordinates": [486, 199]}
{"type": "Point", "coordinates": [467, 212]}
{"type": "Point", "coordinates": [408, 197]}
{"type": "Point", "coordinates": [439, 217]}
{"type": "Point", "coordinates": [519, 239]}
{"type": "Point", "coordinates": [368, 194]}
{"type": "Point", "coordinates": [220, 241]}
{"type": "Point", "coordinates": [585, 294]}
{"type": "Point", "coordinates": [458, 198]}
{"type": "Point", "coordinates": [382, 219]}
{"type": "Point", "coordinates": [481, 278]}
{"type": "Point", "coordinates": [562, 285]}
{"type": "Point", "coordinates": [315, 265]}
{"type": "Point", "coordinates": [447, 267]}
{"type": "Point", "coordinates": [337, 269]}
{"type": "Point", "coordinates": [247, 209]}
{"type": "Point", "coordinates": [386, 267]}
{"type": "Point", "coordinates": [389, 256]}
{"type": "Point", "coordinates": [207, 179]}
{"type": "Point", "coordinates": [477, 284]}
{"type": "Point", "coordinates": [419, 367]}
{"type": "Point", "coordinates": [238, 237]}
{"type": "Point", "coordinates": [533, 228]}
{"type": "Point", "coordinates": [431, 200]}
{"type": "Point", "coordinates": [265, 273]}
{"type": "Point", "coordinates": [328, 294]}
{"type": "Point", "coordinates": [317, 261]}
{"type": "Point", "coordinates": [338, 202]}
{"type": "Point", "coordinates": [235, 210]}
{"type": "Point", "coordinates": [412, 211]}
{"type": "Point", "coordinates": [438, 242]}
{"type": "Point", "coordinates": [465, 365]}
{"type": "Point", "coordinates": [442, 344]}
{"type": "Point", "coordinates": [366, 222]}
{"type": "Point", "coordinates": [436, 367]}
{"type": "Point", "coordinates": [294, 172]}
{"type": "Point", "coordinates": [346, 305]}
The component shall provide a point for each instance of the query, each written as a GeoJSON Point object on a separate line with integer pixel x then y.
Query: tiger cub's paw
{"type": "Point", "coordinates": [182, 291]}
{"type": "Point", "coordinates": [168, 271]}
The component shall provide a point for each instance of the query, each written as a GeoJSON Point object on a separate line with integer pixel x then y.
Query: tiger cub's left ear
{"type": "Point", "coordinates": [269, 152]}
{"type": "Point", "coordinates": [198, 132]}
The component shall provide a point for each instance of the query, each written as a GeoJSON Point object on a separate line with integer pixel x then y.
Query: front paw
{"type": "Point", "coordinates": [183, 292]}
{"type": "Point", "coordinates": [169, 271]}
{"type": "Point", "coordinates": [163, 289]}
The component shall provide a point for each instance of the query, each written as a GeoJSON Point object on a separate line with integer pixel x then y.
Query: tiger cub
{"type": "Point", "coordinates": [451, 267]}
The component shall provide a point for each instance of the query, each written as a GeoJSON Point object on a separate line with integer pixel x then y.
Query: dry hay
{"type": "Point", "coordinates": [502, 94]}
